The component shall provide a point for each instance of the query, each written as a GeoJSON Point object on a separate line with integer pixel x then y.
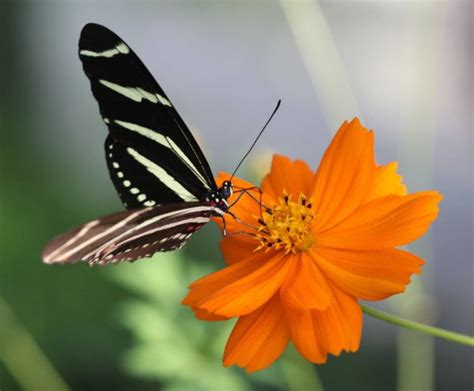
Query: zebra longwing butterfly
{"type": "Point", "coordinates": [155, 164]}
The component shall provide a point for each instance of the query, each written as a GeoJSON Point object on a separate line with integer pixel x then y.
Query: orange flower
{"type": "Point", "coordinates": [321, 242]}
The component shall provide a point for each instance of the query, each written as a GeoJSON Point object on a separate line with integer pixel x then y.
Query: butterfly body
{"type": "Point", "coordinates": [156, 165]}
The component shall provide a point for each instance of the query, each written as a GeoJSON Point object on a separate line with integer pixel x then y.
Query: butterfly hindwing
{"type": "Point", "coordinates": [141, 117]}
{"type": "Point", "coordinates": [129, 235]}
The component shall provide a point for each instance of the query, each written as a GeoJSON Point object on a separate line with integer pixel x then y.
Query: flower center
{"type": "Point", "coordinates": [287, 226]}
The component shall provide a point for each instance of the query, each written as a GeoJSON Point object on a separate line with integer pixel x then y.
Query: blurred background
{"type": "Point", "coordinates": [405, 68]}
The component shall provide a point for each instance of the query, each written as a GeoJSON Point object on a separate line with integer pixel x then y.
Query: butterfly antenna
{"type": "Point", "coordinates": [256, 139]}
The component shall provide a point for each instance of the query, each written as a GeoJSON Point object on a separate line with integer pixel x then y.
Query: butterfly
{"type": "Point", "coordinates": [160, 173]}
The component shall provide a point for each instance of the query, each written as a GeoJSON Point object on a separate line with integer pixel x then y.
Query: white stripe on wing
{"type": "Point", "coordinates": [121, 48]}
{"type": "Point", "coordinates": [114, 242]}
{"type": "Point", "coordinates": [195, 220]}
{"type": "Point", "coordinates": [86, 228]}
{"type": "Point", "coordinates": [163, 176]}
{"type": "Point", "coordinates": [136, 93]}
{"type": "Point", "coordinates": [166, 142]}
{"type": "Point", "coordinates": [64, 256]}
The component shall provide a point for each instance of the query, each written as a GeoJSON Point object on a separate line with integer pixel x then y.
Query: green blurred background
{"type": "Point", "coordinates": [405, 68]}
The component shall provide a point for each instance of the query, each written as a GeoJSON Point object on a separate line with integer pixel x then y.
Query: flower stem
{"type": "Point", "coordinates": [434, 331]}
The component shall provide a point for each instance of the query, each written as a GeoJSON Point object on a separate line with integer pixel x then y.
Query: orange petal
{"type": "Point", "coordinates": [305, 287]}
{"type": "Point", "coordinates": [345, 175]}
{"type": "Point", "coordinates": [204, 315]}
{"type": "Point", "coordinates": [304, 336]}
{"type": "Point", "coordinates": [383, 223]}
{"type": "Point", "coordinates": [249, 292]}
{"type": "Point", "coordinates": [316, 333]}
{"type": "Point", "coordinates": [208, 285]}
{"type": "Point", "coordinates": [259, 338]}
{"type": "Point", "coordinates": [285, 175]}
{"type": "Point", "coordinates": [368, 275]}
{"type": "Point", "coordinates": [237, 248]}
{"type": "Point", "coordinates": [387, 182]}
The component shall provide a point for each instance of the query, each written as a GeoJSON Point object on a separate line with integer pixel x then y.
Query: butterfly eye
{"type": "Point", "coordinates": [226, 189]}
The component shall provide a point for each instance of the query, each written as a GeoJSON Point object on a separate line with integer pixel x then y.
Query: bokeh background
{"type": "Point", "coordinates": [405, 68]}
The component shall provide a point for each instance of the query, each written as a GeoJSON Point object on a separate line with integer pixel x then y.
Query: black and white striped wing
{"type": "Point", "coordinates": [129, 235]}
{"type": "Point", "coordinates": [151, 154]}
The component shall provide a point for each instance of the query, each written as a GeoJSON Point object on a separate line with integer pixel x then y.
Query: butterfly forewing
{"type": "Point", "coordinates": [141, 117]}
{"type": "Point", "coordinates": [129, 235]}
{"type": "Point", "coordinates": [135, 176]}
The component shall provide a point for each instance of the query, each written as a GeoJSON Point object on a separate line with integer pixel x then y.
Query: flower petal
{"type": "Point", "coordinates": [383, 223]}
{"type": "Point", "coordinates": [259, 338]}
{"type": "Point", "coordinates": [294, 177]}
{"type": "Point", "coordinates": [304, 336]}
{"type": "Point", "coordinates": [345, 175]}
{"type": "Point", "coordinates": [316, 333]}
{"type": "Point", "coordinates": [387, 182]}
{"type": "Point", "coordinates": [204, 315]}
{"type": "Point", "coordinates": [237, 248]}
{"type": "Point", "coordinates": [368, 275]}
{"type": "Point", "coordinates": [305, 288]}
{"type": "Point", "coordinates": [208, 285]}
{"type": "Point", "coordinates": [248, 292]}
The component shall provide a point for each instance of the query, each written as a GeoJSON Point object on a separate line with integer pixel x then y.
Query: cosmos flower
{"type": "Point", "coordinates": [308, 248]}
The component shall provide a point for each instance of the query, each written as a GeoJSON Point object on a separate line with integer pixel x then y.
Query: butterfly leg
{"type": "Point", "coordinates": [251, 234]}
{"type": "Point", "coordinates": [239, 221]}
{"type": "Point", "coordinates": [224, 226]}
{"type": "Point", "coordinates": [258, 201]}
{"type": "Point", "coordinates": [237, 199]}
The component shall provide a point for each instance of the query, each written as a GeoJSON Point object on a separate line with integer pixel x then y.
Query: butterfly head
{"type": "Point", "coordinates": [226, 190]}
{"type": "Point", "coordinates": [219, 197]}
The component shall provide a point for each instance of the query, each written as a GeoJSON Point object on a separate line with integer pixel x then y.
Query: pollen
{"type": "Point", "coordinates": [287, 225]}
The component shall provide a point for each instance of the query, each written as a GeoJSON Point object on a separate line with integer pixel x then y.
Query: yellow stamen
{"type": "Point", "coordinates": [287, 226]}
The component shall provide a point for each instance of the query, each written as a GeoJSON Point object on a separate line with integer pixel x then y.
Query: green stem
{"type": "Point", "coordinates": [434, 331]}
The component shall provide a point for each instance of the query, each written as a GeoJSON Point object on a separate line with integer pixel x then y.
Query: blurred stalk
{"type": "Point", "coordinates": [418, 63]}
{"type": "Point", "coordinates": [23, 358]}
{"type": "Point", "coordinates": [422, 328]}
{"type": "Point", "coordinates": [322, 61]}
{"type": "Point", "coordinates": [299, 373]}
